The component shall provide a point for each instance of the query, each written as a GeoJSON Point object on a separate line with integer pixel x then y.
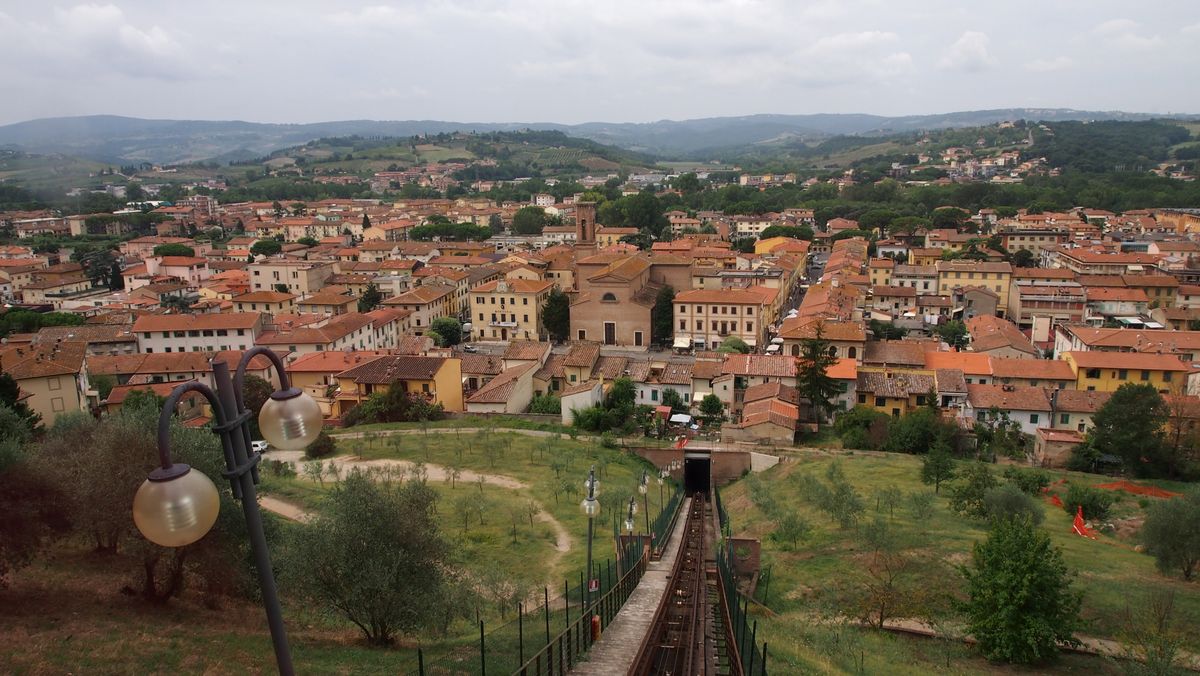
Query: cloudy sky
{"type": "Point", "coordinates": [568, 61]}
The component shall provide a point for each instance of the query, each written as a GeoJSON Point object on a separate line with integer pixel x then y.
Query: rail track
{"type": "Point", "coordinates": [687, 636]}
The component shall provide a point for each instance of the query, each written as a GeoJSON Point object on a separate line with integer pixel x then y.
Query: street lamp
{"type": "Point", "coordinates": [591, 507]}
{"type": "Point", "coordinates": [629, 519]}
{"type": "Point", "coordinates": [643, 488]}
{"type": "Point", "coordinates": [178, 505]}
{"type": "Point", "coordinates": [662, 477]}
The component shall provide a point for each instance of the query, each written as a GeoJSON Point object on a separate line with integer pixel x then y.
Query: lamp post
{"type": "Point", "coordinates": [629, 519]}
{"type": "Point", "coordinates": [591, 507]}
{"type": "Point", "coordinates": [644, 488]}
{"type": "Point", "coordinates": [177, 505]}
{"type": "Point", "coordinates": [662, 478]}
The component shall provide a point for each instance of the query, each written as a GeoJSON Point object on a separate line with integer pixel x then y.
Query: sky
{"type": "Point", "coordinates": [611, 60]}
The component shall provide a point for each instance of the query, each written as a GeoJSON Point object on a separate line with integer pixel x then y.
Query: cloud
{"type": "Point", "coordinates": [1193, 29]}
{"type": "Point", "coordinates": [968, 53]}
{"type": "Point", "coordinates": [1124, 34]}
{"type": "Point", "coordinates": [1050, 65]}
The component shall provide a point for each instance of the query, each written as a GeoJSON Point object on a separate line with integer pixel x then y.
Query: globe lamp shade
{"type": "Point", "coordinates": [178, 511]}
{"type": "Point", "coordinates": [290, 420]}
{"type": "Point", "coordinates": [591, 507]}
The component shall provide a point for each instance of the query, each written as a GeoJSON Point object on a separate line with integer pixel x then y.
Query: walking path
{"type": "Point", "coordinates": [616, 650]}
{"type": "Point", "coordinates": [562, 539]}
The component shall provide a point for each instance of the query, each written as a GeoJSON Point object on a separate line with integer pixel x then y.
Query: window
{"type": "Point", "coordinates": [880, 401]}
{"type": "Point", "coordinates": [1033, 418]}
{"type": "Point", "coordinates": [167, 349]}
{"type": "Point", "coordinates": [149, 350]}
{"type": "Point", "coordinates": [165, 334]}
{"type": "Point", "coordinates": [1123, 374]}
{"type": "Point", "coordinates": [572, 377]}
{"type": "Point", "coordinates": [1145, 375]}
{"type": "Point", "coordinates": [608, 297]}
{"type": "Point", "coordinates": [862, 398]}
{"type": "Point", "coordinates": [653, 395]}
{"type": "Point", "coordinates": [1093, 373]}
{"type": "Point", "coordinates": [56, 404]}
{"type": "Point", "coordinates": [524, 301]}
{"type": "Point", "coordinates": [920, 400]}
{"type": "Point", "coordinates": [583, 334]}
{"type": "Point", "coordinates": [1064, 418]}
{"type": "Point", "coordinates": [637, 338]}
{"type": "Point", "coordinates": [682, 324]}
{"type": "Point", "coordinates": [1166, 376]}
{"type": "Point", "coordinates": [852, 352]}
{"type": "Point", "coordinates": [178, 334]}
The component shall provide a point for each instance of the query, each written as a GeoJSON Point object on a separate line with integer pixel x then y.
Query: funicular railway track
{"type": "Point", "coordinates": [684, 639]}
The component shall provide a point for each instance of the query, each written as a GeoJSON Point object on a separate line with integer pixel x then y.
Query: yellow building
{"type": "Point", "coordinates": [611, 236]}
{"type": "Point", "coordinates": [271, 302]}
{"type": "Point", "coordinates": [894, 392]}
{"type": "Point", "coordinates": [880, 271]}
{"type": "Point", "coordinates": [509, 309]}
{"type": "Point", "coordinates": [437, 380]}
{"type": "Point", "coordinates": [962, 273]}
{"type": "Point", "coordinates": [1107, 371]}
{"type": "Point", "coordinates": [52, 378]}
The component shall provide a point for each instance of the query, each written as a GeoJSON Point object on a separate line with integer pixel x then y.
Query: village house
{"type": "Point", "coordinates": [198, 333]}
{"type": "Point", "coordinates": [509, 309]}
{"type": "Point", "coordinates": [438, 380]}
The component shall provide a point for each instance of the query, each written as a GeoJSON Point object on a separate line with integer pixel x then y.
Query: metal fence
{"type": "Point", "coordinates": [552, 637]}
{"type": "Point", "coordinates": [744, 630]}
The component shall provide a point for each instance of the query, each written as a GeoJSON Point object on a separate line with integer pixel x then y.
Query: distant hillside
{"type": "Point", "coordinates": [114, 139]}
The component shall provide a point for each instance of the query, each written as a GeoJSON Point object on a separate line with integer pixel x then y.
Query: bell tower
{"type": "Point", "coordinates": [585, 222]}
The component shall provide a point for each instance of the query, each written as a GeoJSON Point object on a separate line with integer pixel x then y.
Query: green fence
{"type": "Point", "coordinates": [744, 630]}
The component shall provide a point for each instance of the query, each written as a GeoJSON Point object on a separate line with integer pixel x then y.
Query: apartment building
{"type": "Point", "coordinates": [198, 333]}
{"type": "Point", "coordinates": [52, 378]}
{"type": "Point", "coordinates": [273, 302]}
{"type": "Point", "coordinates": [426, 302]}
{"type": "Point", "coordinates": [1107, 371]}
{"type": "Point", "coordinates": [509, 309]}
{"type": "Point", "coordinates": [298, 277]}
{"type": "Point", "coordinates": [704, 318]}
{"type": "Point", "coordinates": [991, 276]}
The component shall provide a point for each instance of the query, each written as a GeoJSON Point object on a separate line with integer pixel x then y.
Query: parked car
{"type": "Point", "coordinates": [259, 446]}
{"type": "Point", "coordinates": [470, 348]}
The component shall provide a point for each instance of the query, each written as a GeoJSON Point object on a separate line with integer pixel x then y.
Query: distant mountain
{"type": "Point", "coordinates": [115, 139]}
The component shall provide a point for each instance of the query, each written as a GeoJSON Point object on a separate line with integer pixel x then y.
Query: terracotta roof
{"type": "Point", "coordinates": [553, 368]}
{"type": "Point", "coordinates": [1080, 401]}
{"type": "Point", "coordinates": [843, 369]}
{"type": "Point", "coordinates": [332, 361]}
{"type": "Point", "coordinates": [513, 286]}
{"type": "Point", "coordinates": [639, 371]}
{"type": "Point", "coordinates": [676, 374]}
{"type": "Point", "coordinates": [721, 296]}
{"type": "Point", "coordinates": [582, 354]}
{"type": "Point", "coordinates": [897, 352]}
{"type": "Point", "coordinates": [993, 333]}
{"type": "Point", "coordinates": [42, 361]}
{"type": "Point", "coordinates": [499, 390]}
{"type": "Point", "coordinates": [1117, 294]}
{"type": "Point", "coordinates": [338, 327]}
{"type": "Point", "coordinates": [385, 370]}
{"type": "Point", "coordinates": [422, 295]}
{"type": "Point", "coordinates": [1032, 369]}
{"type": "Point", "coordinates": [950, 380]}
{"type": "Point", "coordinates": [610, 367]}
{"type": "Point", "coordinates": [773, 390]}
{"type": "Point", "coordinates": [799, 328]}
{"type": "Point", "coordinates": [900, 384]}
{"type": "Point", "coordinates": [971, 363]}
{"type": "Point", "coordinates": [263, 297]}
{"type": "Point", "coordinates": [760, 365]}
{"type": "Point", "coordinates": [88, 334]}
{"type": "Point", "coordinates": [773, 411]}
{"type": "Point", "coordinates": [706, 369]}
{"type": "Point", "coordinates": [526, 350]}
{"type": "Point", "coordinates": [1140, 340]}
{"type": "Point", "coordinates": [481, 364]}
{"type": "Point", "coordinates": [1127, 360]}
{"type": "Point", "coordinates": [1008, 398]}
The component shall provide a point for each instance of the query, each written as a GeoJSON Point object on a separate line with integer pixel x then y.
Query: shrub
{"type": "Point", "coordinates": [323, 445]}
{"type": "Point", "coordinates": [855, 428]}
{"type": "Point", "coordinates": [608, 440]}
{"type": "Point", "coordinates": [1010, 502]}
{"type": "Point", "coordinates": [1095, 502]}
{"type": "Point", "coordinates": [279, 468]}
{"type": "Point", "coordinates": [1030, 481]}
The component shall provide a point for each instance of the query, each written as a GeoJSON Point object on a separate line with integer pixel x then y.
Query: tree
{"type": "Point", "coordinates": [948, 217]}
{"type": "Point", "coordinates": [998, 434]}
{"type": "Point", "coordinates": [115, 281]}
{"type": "Point", "coordinates": [733, 344]}
{"type": "Point", "coordinates": [374, 555]}
{"type": "Point", "coordinates": [1130, 426]}
{"type": "Point", "coordinates": [1024, 258]}
{"type": "Point", "coordinates": [862, 427]}
{"type": "Point", "coordinates": [104, 383]}
{"type": "Point", "coordinates": [712, 406]}
{"type": "Point", "coordinates": [323, 445]}
{"type": "Point", "coordinates": [11, 398]}
{"type": "Point", "coordinates": [446, 331]}
{"type": "Point", "coordinates": [371, 298]}
{"type": "Point", "coordinates": [529, 221]}
{"type": "Point", "coordinates": [1171, 534]}
{"type": "Point", "coordinates": [1020, 604]}
{"type": "Point", "coordinates": [967, 496]}
{"type": "Point", "coordinates": [917, 430]}
{"type": "Point", "coordinates": [672, 398]}
{"type": "Point", "coordinates": [953, 333]}
{"type": "Point", "coordinates": [889, 579]}
{"type": "Point", "coordinates": [545, 404]}
{"type": "Point", "coordinates": [556, 314]}
{"type": "Point", "coordinates": [1010, 502]}
{"type": "Point", "coordinates": [812, 374]}
{"type": "Point", "coordinates": [790, 528]}
{"type": "Point", "coordinates": [255, 392]}
{"type": "Point", "coordinates": [309, 241]}
{"type": "Point", "coordinates": [266, 247]}
{"type": "Point", "coordinates": [937, 466]}
{"type": "Point", "coordinates": [662, 325]}
{"type": "Point", "coordinates": [174, 249]}
{"type": "Point", "coordinates": [366, 221]}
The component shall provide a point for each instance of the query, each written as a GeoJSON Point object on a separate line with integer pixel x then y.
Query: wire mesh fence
{"type": "Point", "coordinates": [750, 653]}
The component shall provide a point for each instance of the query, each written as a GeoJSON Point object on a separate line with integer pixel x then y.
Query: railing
{"type": "Point", "coordinates": [745, 649]}
{"type": "Point", "coordinates": [664, 523]}
{"type": "Point", "coordinates": [550, 638]}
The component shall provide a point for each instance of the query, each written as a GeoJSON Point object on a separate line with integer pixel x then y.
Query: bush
{"type": "Point", "coordinates": [279, 468]}
{"type": "Point", "coordinates": [323, 446]}
{"type": "Point", "coordinates": [608, 440]}
{"type": "Point", "coordinates": [1030, 481]}
{"type": "Point", "coordinates": [1010, 502]}
{"type": "Point", "coordinates": [1095, 502]}
{"type": "Point", "coordinates": [862, 427]}
{"type": "Point", "coordinates": [545, 403]}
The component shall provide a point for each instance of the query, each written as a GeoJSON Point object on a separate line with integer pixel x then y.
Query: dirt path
{"type": "Point", "coordinates": [562, 539]}
{"type": "Point", "coordinates": [285, 509]}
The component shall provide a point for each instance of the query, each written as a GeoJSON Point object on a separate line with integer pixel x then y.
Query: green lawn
{"type": "Point", "coordinates": [805, 581]}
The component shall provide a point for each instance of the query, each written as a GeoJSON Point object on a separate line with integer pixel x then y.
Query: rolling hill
{"type": "Point", "coordinates": [116, 139]}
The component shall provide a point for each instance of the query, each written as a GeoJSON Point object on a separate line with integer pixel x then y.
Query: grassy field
{"type": "Point", "coordinates": [812, 577]}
